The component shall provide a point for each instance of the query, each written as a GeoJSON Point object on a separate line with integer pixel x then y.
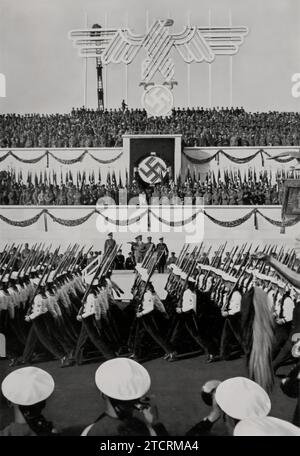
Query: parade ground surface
{"type": "Point", "coordinates": [176, 386]}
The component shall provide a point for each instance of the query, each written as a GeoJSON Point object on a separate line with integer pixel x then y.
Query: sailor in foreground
{"type": "Point", "coordinates": [27, 390]}
{"type": "Point", "coordinates": [123, 384]}
{"type": "Point", "coordinates": [240, 398]}
{"type": "Point", "coordinates": [265, 427]}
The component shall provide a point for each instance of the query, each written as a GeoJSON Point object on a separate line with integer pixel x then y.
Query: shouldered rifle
{"type": "Point", "coordinates": [100, 271]}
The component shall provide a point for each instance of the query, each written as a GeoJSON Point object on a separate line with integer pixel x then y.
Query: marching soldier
{"type": "Point", "coordinates": [147, 323]}
{"type": "Point", "coordinates": [187, 315]}
{"type": "Point", "coordinates": [232, 325]}
{"type": "Point", "coordinates": [283, 315]}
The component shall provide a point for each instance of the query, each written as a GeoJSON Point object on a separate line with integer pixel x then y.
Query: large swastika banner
{"type": "Point", "coordinates": [151, 165]}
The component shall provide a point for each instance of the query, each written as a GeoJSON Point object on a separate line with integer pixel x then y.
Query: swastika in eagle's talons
{"type": "Point", "coordinates": [158, 100]}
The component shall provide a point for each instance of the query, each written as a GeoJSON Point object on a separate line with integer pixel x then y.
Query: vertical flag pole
{"type": "Point", "coordinates": [189, 68]}
{"type": "Point", "coordinates": [230, 68]}
{"type": "Point", "coordinates": [126, 67]}
{"type": "Point", "coordinates": [209, 68]}
{"type": "Point", "coordinates": [105, 71]}
{"type": "Point", "coordinates": [85, 68]}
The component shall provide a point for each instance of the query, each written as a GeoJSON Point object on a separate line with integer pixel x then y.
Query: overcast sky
{"type": "Point", "coordinates": [45, 74]}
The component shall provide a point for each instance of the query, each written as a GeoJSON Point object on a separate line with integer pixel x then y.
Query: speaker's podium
{"type": "Point", "coordinates": [151, 157]}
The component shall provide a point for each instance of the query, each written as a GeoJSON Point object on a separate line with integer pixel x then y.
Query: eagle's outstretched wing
{"type": "Point", "coordinates": [197, 44]}
{"type": "Point", "coordinates": [112, 46]}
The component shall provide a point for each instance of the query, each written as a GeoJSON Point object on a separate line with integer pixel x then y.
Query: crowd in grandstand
{"type": "Point", "coordinates": [199, 127]}
{"type": "Point", "coordinates": [230, 190]}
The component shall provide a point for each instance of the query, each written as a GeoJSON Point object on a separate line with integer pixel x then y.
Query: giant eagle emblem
{"type": "Point", "coordinates": [194, 44]}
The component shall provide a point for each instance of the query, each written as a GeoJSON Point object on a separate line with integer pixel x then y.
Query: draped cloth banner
{"type": "Point", "coordinates": [81, 220]}
{"type": "Point", "coordinates": [63, 161]}
{"type": "Point", "coordinates": [237, 160]}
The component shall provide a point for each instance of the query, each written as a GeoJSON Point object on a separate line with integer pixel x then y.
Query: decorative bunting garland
{"type": "Point", "coordinates": [60, 160]}
{"type": "Point", "coordinates": [75, 222]}
{"type": "Point", "coordinates": [70, 161]}
{"type": "Point", "coordinates": [177, 222]}
{"type": "Point", "coordinates": [123, 222]}
{"type": "Point", "coordinates": [225, 224]}
{"type": "Point", "coordinates": [105, 162]}
{"type": "Point", "coordinates": [23, 223]}
{"type": "Point", "coordinates": [232, 223]}
{"type": "Point", "coordinates": [237, 160]}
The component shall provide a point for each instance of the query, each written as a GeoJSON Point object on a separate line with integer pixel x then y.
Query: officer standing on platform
{"type": "Point", "coordinates": [162, 248]}
{"type": "Point", "coordinates": [109, 243]}
{"type": "Point", "coordinates": [149, 243]}
{"type": "Point", "coordinates": [139, 249]}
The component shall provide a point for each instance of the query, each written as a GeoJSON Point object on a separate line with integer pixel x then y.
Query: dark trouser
{"type": "Point", "coordinates": [95, 337]}
{"type": "Point", "coordinates": [45, 334]}
{"type": "Point", "coordinates": [188, 320]}
{"type": "Point", "coordinates": [210, 335]}
{"type": "Point", "coordinates": [281, 336]}
{"type": "Point", "coordinates": [82, 339]}
{"type": "Point", "coordinates": [14, 343]}
{"type": "Point", "coordinates": [161, 266]}
{"type": "Point", "coordinates": [147, 324]}
{"type": "Point", "coordinates": [282, 346]}
{"type": "Point", "coordinates": [231, 331]}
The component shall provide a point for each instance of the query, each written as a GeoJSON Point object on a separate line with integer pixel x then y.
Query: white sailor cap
{"type": "Point", "coordinates": [14, 275]}
{"type": "Point", "coordinates": [242, 398]}
{"type": "Point", "coordinates": [5, 278]}
{"type": "Point", "coordinates": [122, 379]}
{"type": "Point", "coordinates": [265, 426]}
{"type": "Point", "coordinates": [27, 386]}
{"type": "Point", "coordinates": [183, 275]}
